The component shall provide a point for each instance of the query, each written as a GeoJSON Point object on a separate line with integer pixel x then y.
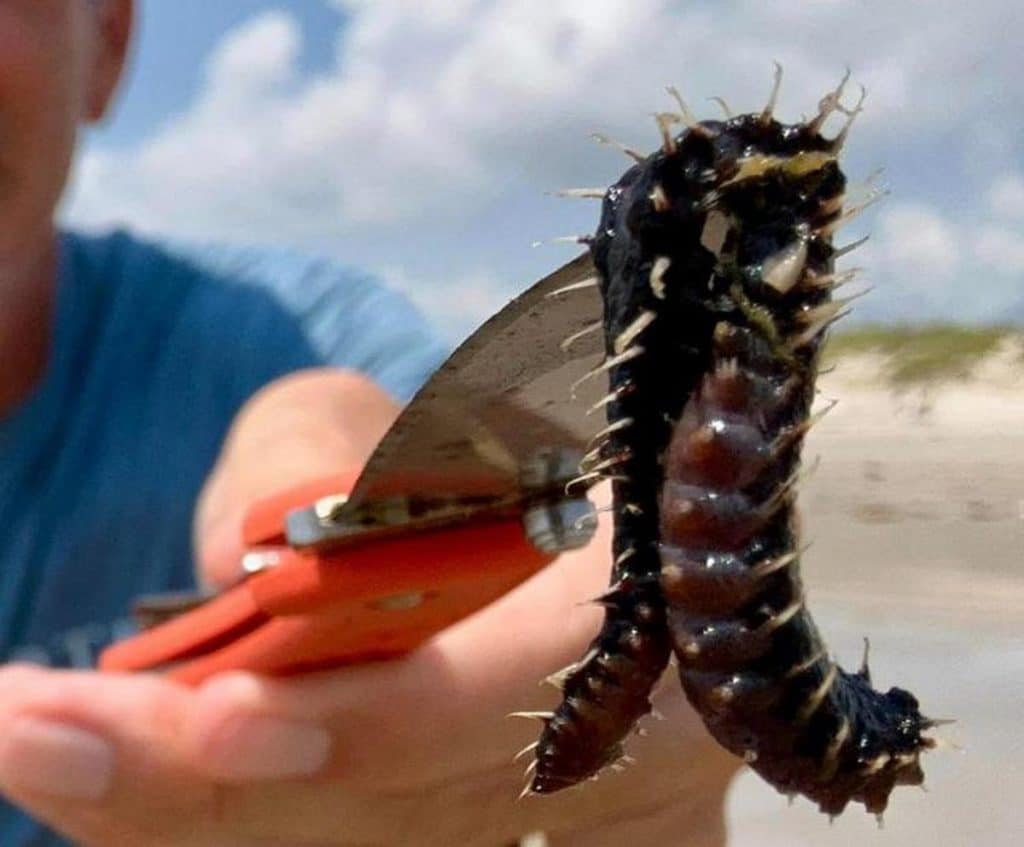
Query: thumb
{"type": "Point", "coordinates": [300, 428]}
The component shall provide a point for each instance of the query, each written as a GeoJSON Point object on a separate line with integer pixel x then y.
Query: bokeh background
{"type": "Point", "coordinates": [422, 140]}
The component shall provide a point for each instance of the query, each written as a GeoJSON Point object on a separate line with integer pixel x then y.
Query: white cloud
{"type": "Point", "coordinates": [912, 262]}
{"type": "Point", "coordinates": [427, 147]}
{"type": "Point", "coordinates": [255, 59]}
{"type": "Point", "coordinates": [914, 240]}
{"type": "Point", "coordinates": [1006, 196]}
{"type": "Point", "coordinates": [456, 303]}
{"type": "Point", "coordinates": [1001, 248]}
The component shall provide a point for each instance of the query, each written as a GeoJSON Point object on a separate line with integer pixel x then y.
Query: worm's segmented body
{"type": "Point", "coordinates": [715, 260]}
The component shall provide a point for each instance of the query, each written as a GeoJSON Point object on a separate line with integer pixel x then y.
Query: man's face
{"type": "Point", "coordinates": [58, 67]}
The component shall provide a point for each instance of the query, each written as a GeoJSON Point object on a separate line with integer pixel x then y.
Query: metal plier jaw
{"type": "Point", "coordinates": [323, 586]}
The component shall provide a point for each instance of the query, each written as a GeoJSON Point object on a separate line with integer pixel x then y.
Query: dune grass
{"type": "Point", "coordinates": [920, 354]}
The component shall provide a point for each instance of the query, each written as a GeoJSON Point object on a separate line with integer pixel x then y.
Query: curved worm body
{"type": "Point", "coordinates": [715, 261]}
{"type": "Point", "coordinates": [750, 658]}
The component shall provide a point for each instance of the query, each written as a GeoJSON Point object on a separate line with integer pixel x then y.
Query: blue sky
{"type": "Point", "coordinates": [174, 39]}
{"type": "Point", "coordinates": [421, 138]}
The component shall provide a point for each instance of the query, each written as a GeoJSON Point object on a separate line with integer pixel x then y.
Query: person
{"type": "Point", "coordinates": [136, 374]}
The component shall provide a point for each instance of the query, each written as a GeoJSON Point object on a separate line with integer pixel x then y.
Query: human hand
{"type": "Point", "coordinates": [414, 751]}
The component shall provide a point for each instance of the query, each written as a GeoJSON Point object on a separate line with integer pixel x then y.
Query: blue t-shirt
{"type": "Point", "coordinates": [155, 349]}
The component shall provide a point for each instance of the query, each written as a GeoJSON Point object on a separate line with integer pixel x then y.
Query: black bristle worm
{"type": "Point", "coordinates": [715, 261]}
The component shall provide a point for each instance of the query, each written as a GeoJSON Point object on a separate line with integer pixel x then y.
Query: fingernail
{"type": "Point", "coordinates": [259, 747]}
{"type": "Point", "coordinates": [56, 759]}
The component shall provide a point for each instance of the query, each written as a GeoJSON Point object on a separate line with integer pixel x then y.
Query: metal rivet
{"type": "Point", "coordinates": [259, 561]}
{"type": "Point", "coordinates": [328, 509]}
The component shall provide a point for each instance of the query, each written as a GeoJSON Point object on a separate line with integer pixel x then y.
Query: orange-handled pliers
{"type": "Point", "coordinates": [304, 610]}
{"type": "Point", "coordinates": [469, 494]}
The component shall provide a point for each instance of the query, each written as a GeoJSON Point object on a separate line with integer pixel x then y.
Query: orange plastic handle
{"type": "Point", "coordinates": [366, 602]}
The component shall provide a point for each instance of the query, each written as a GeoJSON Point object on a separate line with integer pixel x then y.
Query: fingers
{"type": "Point", "coordinates": [81, 751]}
{"type": "Point", "coordinates": [120, 760]}
{"type": "Point", "coordinates": [108, 760]}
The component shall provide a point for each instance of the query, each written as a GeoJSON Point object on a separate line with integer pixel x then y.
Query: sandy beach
{"type": "Point", "coordinates": [915, 512]}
